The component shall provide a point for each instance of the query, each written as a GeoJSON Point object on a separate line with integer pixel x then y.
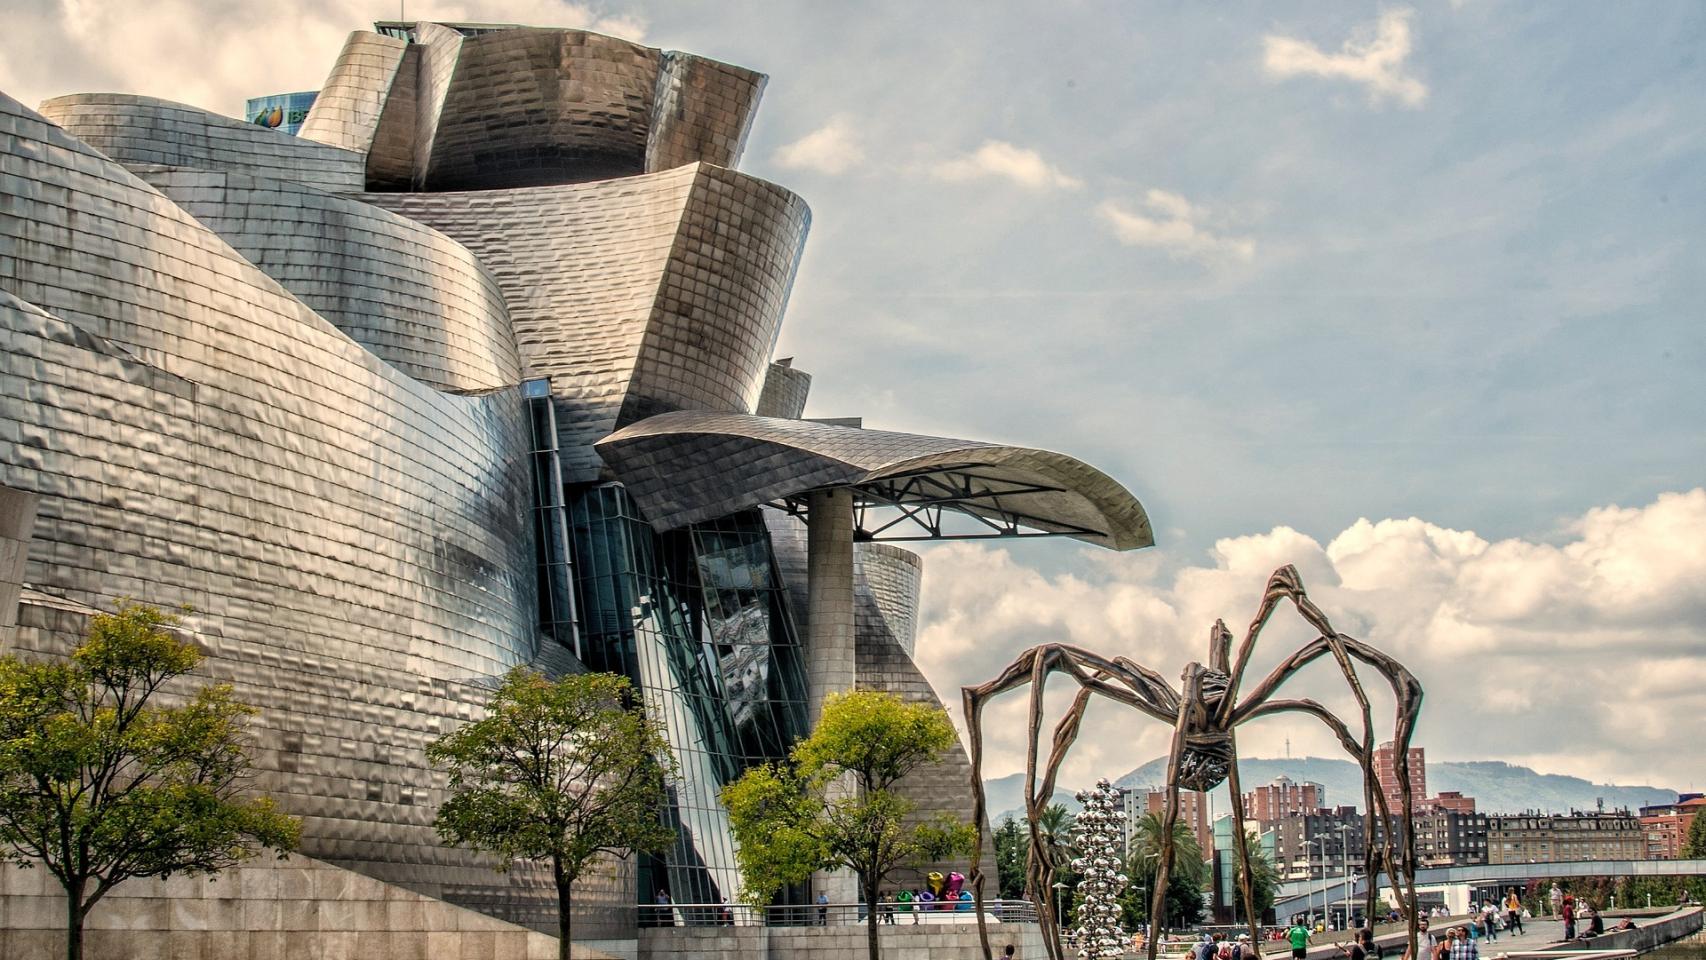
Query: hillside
{"type": "Point", "coordinates": [1497, 787]}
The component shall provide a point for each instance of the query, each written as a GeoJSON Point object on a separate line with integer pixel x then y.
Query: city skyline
{"type": "Point", "coordinates": [1277, 272]}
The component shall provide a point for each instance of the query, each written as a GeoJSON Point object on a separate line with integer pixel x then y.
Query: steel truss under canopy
{"type": "Point", "coordinates": [913, 506]}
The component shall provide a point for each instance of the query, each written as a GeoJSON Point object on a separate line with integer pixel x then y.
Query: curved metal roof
{"type": "Point", "coordinates": [690, 466]}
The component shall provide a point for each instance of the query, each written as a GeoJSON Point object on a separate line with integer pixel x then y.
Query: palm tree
{"type": "Point", "coordinates": [1146, 834]}
{"type": "Point", "coordinates": [1264, 878]}
{"type": "Point", "coordinates": [1055, 825]}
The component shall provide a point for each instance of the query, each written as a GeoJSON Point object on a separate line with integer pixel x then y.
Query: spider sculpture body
{"type": "Point", "coordinates": [1205, 712]}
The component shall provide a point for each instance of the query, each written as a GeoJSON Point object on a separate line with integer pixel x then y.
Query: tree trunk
{"type": "Point", "coordinates": [564, 882]}
{"type": "Point", "coordinates": [871, 917]}
{"type": "Point", "coordinates": [74, 914]}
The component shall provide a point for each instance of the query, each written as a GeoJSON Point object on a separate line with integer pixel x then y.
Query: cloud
{"type": "Point", "coordinates": [1571, 657]}
{"type": "Point", "coordinates": [997, 158]}
{"type": "Point", "coordinates": [1174, 225]}
{"type": "Point", "coordinates": [1374, 58]}
{"type": "Point", "coordinates": [832, 148]}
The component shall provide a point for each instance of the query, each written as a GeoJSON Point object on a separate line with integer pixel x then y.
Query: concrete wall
{"type": "Point", "coordinates": [899, 942]}
{"type": "Point", "coordinates": [267, 909]}
{"type": "Point", "coordinates": [1650, 935]}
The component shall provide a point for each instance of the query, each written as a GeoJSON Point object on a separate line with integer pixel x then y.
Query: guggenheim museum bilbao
{"type": "Point", "coordinates": [474, 371]}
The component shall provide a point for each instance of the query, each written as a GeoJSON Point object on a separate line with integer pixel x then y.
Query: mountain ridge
{"type": "Point", "coordinates": [1497, 786]}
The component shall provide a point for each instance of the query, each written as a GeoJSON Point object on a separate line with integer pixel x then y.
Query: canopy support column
{"type": "Point", "coordinates": [830, 658]}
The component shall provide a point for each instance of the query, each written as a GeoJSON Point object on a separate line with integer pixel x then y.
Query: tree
{"type": "Point", "coordinates": [1184, 881]}
{"type": "Point", "coordinates": [100, 784]}
{"type": "Point", "coordinates": [1694, 845]}
{"type": "Point", "coordinates": [1146, 834]}
{"type": "Point", "coordinates": [1055, 826]}
{"type": "Point", "coordinates": [1183, 904]}
{"type": "Point", "coordinates": [1010, 846]}
{"type": "Point", "coordinates": [557, 771]}
{"type": "Point", "coordinates": [834, 805]}
{"type": "Point", "coordinates": [1264, 880]}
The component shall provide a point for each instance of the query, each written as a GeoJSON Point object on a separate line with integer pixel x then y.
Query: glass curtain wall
{"type": "Point", "coordinates": [697, 618]}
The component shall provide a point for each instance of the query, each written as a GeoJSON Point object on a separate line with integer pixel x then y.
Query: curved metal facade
{"type": "Point", "coordinates": [355, 541]}
{"type": "Point", "coordinates": [358, 426]}
{"type": "Point", "coordinates": [528, 107]}
{"type": "Point", "coordinates": [687, 466]}
{"type": "Point", "coordinates": [407, 292]}
{"type": "Point", "coordinates": [346, 113]}
{"type": "Point", "coordinates": [634, 296]}
{"type": "Point", "coordinates": [148, 131]}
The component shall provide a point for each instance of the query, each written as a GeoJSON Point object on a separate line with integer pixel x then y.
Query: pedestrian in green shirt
{"type": "Point", "coordinates": [1299, 937]}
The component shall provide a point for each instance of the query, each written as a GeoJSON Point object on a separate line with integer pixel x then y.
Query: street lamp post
{"type": "Point", "coordinates": [1345, 869]}
{"type": "Point", "coordinates": [1322, 843]}
{"type": "Point", "coordinates": [1059, 903]}
{"type": "Point", "coordinates": [1350, 881]}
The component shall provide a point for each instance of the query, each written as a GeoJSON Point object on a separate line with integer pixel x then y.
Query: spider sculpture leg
{"type": "Point", "coordinates": [1285, 584]}
{"type": "Point", "coordinates": [1190, 703]}
{"type": "Point", "coordinates": [1120, 681]}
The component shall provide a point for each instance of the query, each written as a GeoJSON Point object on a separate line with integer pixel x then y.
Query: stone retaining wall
{"type": "Point", "coordinates": [267, 909]}
{"type": "Point", "coordinates": [899, 942]}
{"type": "Point", "coordinates": [1648, 936]}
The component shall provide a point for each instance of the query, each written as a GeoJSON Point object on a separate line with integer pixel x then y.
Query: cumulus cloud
{"type": "Point", "coordinates": [1578, 657]}
{"type": "Point", "coordinates": [1169, 222]}
{"type": "Point", "coordinates": [833, 148]}
{"type": "Point", "coordinates": [1374, 57]}
{"type": "Point", "coordinates": [216, 54]}
{"type": "Point", "coordinates": [999, 159]}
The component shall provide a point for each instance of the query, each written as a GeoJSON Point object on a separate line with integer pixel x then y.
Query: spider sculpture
{"type": "Point", "coordinates": [1205, 714]}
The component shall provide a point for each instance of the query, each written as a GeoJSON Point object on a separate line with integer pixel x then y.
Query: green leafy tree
{"type": "Point", "coordinates": [1694, 844]}
{"type": "Point", "coordinates": [99, 783]}
{"type": "Point", "coordinates": [1183, 904]}
{"type": "Point", "coordinates": [833, 804]}
{"type": "Point", "coordinates": [1184, 882]}
{"type": "Point", "coordinates": [1055, 827]}
{"type": "Point", "coordinates": [557, 771]}
{"type": "Point", "coordinates": [1264, 880]}
{"type": "Point", "coordinates": [1010, 843]}
{"type": "Point", "coordinates": [1146, 834]}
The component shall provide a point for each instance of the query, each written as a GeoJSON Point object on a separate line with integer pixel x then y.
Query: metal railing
{"type": "Point", "coordinates": [830, 914]}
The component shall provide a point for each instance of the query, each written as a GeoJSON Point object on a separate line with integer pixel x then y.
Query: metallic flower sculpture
{"type": "Point", "coordinates": [1096, 836]}
{"type": "Point", "coordinates": [1205, 714]}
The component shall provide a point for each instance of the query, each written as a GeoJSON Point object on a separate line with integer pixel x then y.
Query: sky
{"type": "Point", "coordinates": [1407, 295]}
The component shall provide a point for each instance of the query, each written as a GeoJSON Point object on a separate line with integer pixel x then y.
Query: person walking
{"type": "Point", "coordinates": [1299, 936]}
{"type": "Point", "coordinates": [1490, 921]}
{"type": "Point", "coordinates": [1513, 913]}
{"type": "Point", "coordinates": [1462, 946]}
{"type": "Point", "coordinates": [1568, 912]}
{"type": "Point", "coordinates": [1555, 898]}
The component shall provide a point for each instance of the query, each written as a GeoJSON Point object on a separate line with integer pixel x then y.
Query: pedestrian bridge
{"type": "Point", "coordinates": [1490, 873]}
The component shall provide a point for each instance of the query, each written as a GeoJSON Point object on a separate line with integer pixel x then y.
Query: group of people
{"type": "Point", "coordinates": [1219, 946]}
{"type": "Point", "coordinates": [1581, 918]}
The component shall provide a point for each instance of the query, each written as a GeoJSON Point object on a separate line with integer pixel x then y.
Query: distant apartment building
{"type": "Point", "coordinates": [1193, 811]}
{"type": "Point", "coordinates": [1536, 837]}
{"type": "Point", "coordinates": [1285, 797]}
{"type": "Point", "coordinates": [1322, 842]}
{"type": "Point", "coordinates": [1666, 826]}
{"type": "Point", "coordinates": [1450, 800]}
{"type": "Point", "coordinates": [1386, 772]}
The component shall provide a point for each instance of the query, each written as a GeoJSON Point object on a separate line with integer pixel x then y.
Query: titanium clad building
{"type": "Point", "coordinates": [473, 372]}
